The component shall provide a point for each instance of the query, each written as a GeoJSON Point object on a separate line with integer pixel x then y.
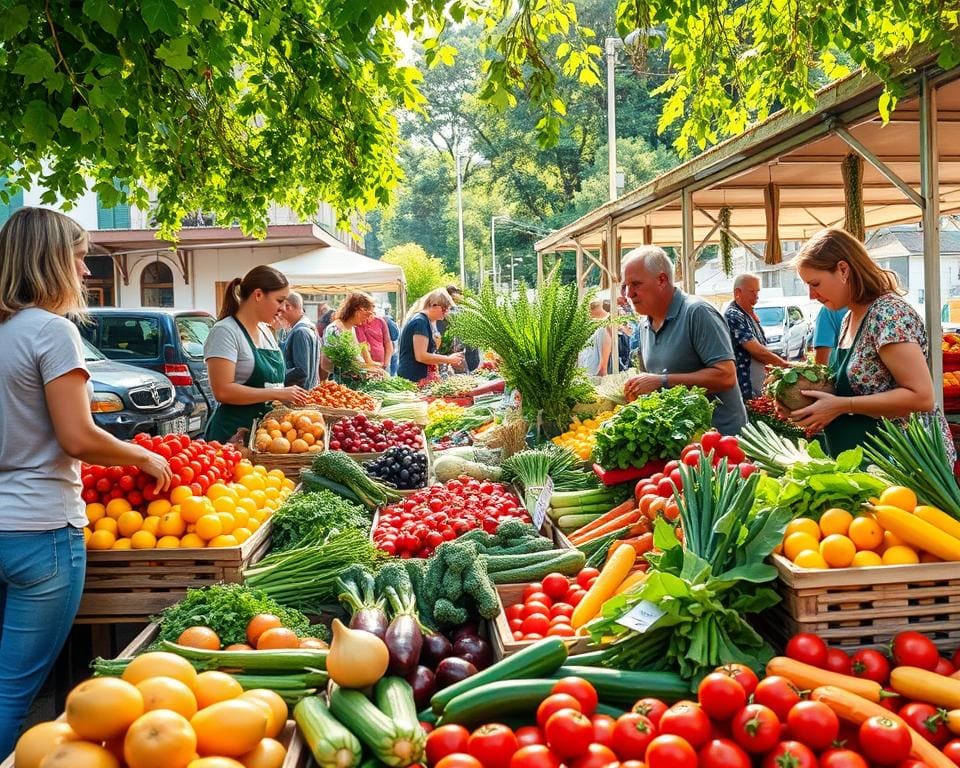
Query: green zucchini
{"type": "Point", "coordinates": [541, 658]}
{"type": "Point", "coordinates": [331, 744]}
{"type": "Point", "coordinates": [280, 660]}
{"type": "Point", "coordinates": [511, 561]}
{"type": "Point", "coordinates": [606, 709]}
{"type": "Point", "coordinates": [589, 659]}
{"type": "Point", "coordinates": [567, 561]}
{"type": "Point", "coordinates": [494, 701]}
{"type": "Point", "coordinates": [391, 742]}
{"type": "Point", "coordinates": [394, 697]}
{"type": "Point", "coordinates": [314, 482]}
{"type": "Point", "coordinates": [621, 688]}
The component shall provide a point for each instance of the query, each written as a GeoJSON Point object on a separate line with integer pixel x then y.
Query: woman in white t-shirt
{"type": "Point", "coordinates": [48, 429]}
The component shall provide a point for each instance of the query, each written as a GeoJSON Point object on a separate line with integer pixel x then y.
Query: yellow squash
{"type": "Point", "coordinates": [918, 532]}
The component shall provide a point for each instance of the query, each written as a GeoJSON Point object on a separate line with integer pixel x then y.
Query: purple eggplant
{"type": "Point", "coordinates": [467, 628]}
{"type": "Point", "coordinates": [474, 649]}
{"type": "Point", "coordinates": [436, 648]}
{"type": "Point", "coordinates": [424, 686]}
{"type": "Point", "coordinates": [371, 619]}
{"type": "Point", "coordinates": [358, 592]}
{"type": "Point", "coordinates": [404, 640]}
{"type": "Point", "coordinates": [452, 670]}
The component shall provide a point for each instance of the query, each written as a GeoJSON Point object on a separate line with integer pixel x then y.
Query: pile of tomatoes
{"type": "Point", "coordinates": [194, 463]}
{"type": "Point", "coordinates": [421, 522]}
{"type": "Point", "coordinates": [546, 606]}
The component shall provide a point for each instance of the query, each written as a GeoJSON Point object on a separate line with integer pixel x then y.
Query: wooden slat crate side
{"type": "Point", "coordinates": [840, 578]}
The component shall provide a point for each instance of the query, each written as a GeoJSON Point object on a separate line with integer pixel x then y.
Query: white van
{"type": "Point", "coordinates": [787, 328]}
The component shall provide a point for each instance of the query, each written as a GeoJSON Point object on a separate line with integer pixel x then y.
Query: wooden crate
{"type": "Point", "coordinates": [132, 585]}
{"type": "Point", "coordinates": [298, 754]}
{"type": "Point", "coordinates": [865, 607]}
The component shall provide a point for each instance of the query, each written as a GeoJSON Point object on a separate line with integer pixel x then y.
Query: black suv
{"type": "Point", "coordinates": [169, 341]}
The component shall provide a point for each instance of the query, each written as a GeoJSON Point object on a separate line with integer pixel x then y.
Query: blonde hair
{"type": "Point", "coordinates": [868, 280]}
{"type": "Point", "coordinates": [38, 249]}
{"type": "Point", "coordinates": [437, 296]}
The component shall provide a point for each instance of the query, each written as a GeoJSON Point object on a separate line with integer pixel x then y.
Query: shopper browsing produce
{"type": "Point", "coordinates": [879, 365]}
{"type": "Point", "coordinates": [45, 402]}
{"type": "Point", "coordinates": [595, 357]}
{"type": "Point", "coordinates": [354, 357]}
{"type": "Point", "coordinates": [682, 340]}
{"type": "Point", "coordinates": [746, 334]}
{"type": "Point", "coordinates": [417, 344]}
{"type": "Point", "coordinates": [244, 361]}
{"type": "Point", "coordinates": [301, 347]}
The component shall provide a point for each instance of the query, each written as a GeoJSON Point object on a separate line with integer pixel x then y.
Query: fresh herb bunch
{"type": "Point", "coordinates": [451, 386]}
{"type": "Point", "coordinates": [227, 609]}
{"type": "Point", "coordinates": [344, 351]}
{"type": "Point", "coordinates": [537, 342]}
{"type": "Point", "coordinates": [762, 410]}
{"type": "Point", "coordinates": [653, 426]}
{"type": "Point", "coordinates": [307, 514]}
{"type": "Point", "coordinates": [389, 384]}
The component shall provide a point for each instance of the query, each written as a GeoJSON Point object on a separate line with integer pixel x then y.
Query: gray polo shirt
{"type": "Point", "coordinates": [693, 336]}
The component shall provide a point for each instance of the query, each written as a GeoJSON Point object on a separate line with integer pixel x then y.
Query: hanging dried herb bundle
{"type": "Point", "coordinates": [852, 168]}
{"type": "Point", "coordinates": [538, 342]}
{"type": "Point", "coordinates": [726, 244]}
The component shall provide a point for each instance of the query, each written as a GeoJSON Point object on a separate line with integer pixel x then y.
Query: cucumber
{"type": "Point", "coordinates": [331, 744]}
{"type": "Point", "coordinates": [567, 561]}
{"type": "Point", "coordinates": [494, 701]}
{"type": "Point", "coordinates": [589, 659]}
{"type": "Point", "coordinates": [621, 688]}
{"type": "Point", "coordinates": [606, 709]}
{"type": "Point", "coordinates": [394, 697]}
{"type": "Point", "coordinates": [540, 659]}
{"type": "Point", "coordinates": [315, 482]}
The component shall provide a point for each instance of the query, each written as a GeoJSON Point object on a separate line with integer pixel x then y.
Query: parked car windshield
{"type": "Point", "coordinates": [193, 330]}
{"type": "Point", "coordinates": [90, 353]}
{"type": "Point", "coordinates": [770, 315]}
{"type": "Point", "coordinates": [129, 338]}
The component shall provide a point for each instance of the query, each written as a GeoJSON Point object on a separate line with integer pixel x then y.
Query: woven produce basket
{"type": "Point", "coordinates": [289, 463]}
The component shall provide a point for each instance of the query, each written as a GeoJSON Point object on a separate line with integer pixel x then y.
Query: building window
{"type": "Point", "coordinates": [770, 279]}
{"type": "Point", "coordinates": [900, 265]}
{"type": "Point", "coordinates": [117, 217]}
{"type": "Point", "coordinates": [15, 202]}
{"type": "Point", "coordinates": [156, 285]}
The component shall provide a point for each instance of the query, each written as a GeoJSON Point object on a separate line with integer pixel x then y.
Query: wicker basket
{"type": "Point", "coordinates": [289, 463]}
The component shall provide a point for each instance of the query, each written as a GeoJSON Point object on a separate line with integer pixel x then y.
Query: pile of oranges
{"type": "Point", "coordinates": [329, 394]}
{"type": "Point", "coordinates": [296, 432]}
{"type": "Point", "coordinates": [581, 437]}
{"type": "Point", "coordinates": [161, 714]}
{"type": "Point", "coordinates": [840, 539]}
{"type": "Point", "coordinates": [225, 516]}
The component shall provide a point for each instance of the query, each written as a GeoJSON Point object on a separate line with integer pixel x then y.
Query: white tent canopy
{"type": "Point", "coordinates": [337, 270]}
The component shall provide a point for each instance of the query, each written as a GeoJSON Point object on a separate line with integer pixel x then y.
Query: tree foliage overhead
{"type": "Point", "coordinates": [422, 271]}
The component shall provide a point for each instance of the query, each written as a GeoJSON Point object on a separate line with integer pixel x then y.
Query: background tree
{"type": "Point", "coordinates": [422, 271]}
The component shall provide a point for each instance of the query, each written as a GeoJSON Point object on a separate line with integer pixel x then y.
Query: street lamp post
{"type": "Point", "coordinates": [463, 270]}
{"type": "Point", "coordinates": [611, 45]}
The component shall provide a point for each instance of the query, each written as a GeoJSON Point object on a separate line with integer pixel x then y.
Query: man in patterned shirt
{"type": "Point", "coordinates": [749, 344]}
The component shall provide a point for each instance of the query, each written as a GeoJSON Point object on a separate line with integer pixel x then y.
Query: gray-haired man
{"type": "Point", "coordinates": [301, 348]}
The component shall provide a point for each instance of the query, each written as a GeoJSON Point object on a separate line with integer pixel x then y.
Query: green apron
{"type": "Point", "coordinates": [268, 368]}
{"type": "Point", "coordinates": [847, 431]}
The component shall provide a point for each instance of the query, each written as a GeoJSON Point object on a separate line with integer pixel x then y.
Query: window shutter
{"type": "Point", "coordinates": [16, 202]}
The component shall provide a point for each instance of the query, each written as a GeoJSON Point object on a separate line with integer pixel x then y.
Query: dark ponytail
{"type": "Point", "coordinates": [265, 278]}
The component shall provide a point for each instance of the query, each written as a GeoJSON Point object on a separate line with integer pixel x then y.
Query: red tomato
{"type": "Point", "coordinates": [741, 673]}
{"type": "Point", "coordinates": [710, 440]}
{"type": "Point", "coordinates": [723, 753]}
{"type": "Point", "coordinates": [561, 629]}
{"type": "Point", "coordinates": [792, 754]}
{"type": "Point", "coordinates": [842, 758]}
{"type": "Point", "coordinates": [446, 740]}
{"type": "Point", "coordinates": [569, 733]}
{"type": "Point", "coordinates": [553, 703]}
{"type": "Point", "coordinates": [913, 649]}
{"type": "Point", "coordinates": [530, 589]}
{"type": "Point", "coordinates": [581, 690]}
{"type": "Point", "coordinates": [535, 624]}
{"type": "Point", "coordinates": [632, 735]}
{"type": "Point", "coordinates": [756, 728]}
{"type": "Point", "coordinates": [871, 665]}
{"type": "Point", "coordinates": [458, 760]}
{"type": "Point", "coordinates": [884, 740]}
{"type": "Point", "coordinates": [813, 722]}
{"type": "Point", "coordinates": [529, 734]}
{"type": "Point", "coordinates": [669, 751]}
{"type": "Point", "coordinates": [808, 648]}
{"type": "Point", "coordinates": [721, 696]}
{"type": "Point", "coordinates": [514, 611]}
{"type": "Point", "coordinates": [688, 720]}
{"type": "Point", "coordinates": [534, 756]}
{"type": "Point", "coordinates": [665, 487]}
{"type": "Point", "coordinates": [493, 745]}
{"type": "Point", "coordinates": [603, 726]}
{"type": "Point", "coordinates": [574, 597]}
{"type": "Point", "coordinates": [777, 693]}
{"type": "Point", "coordinates": [839, 660]}
{"type": "Point", "coordinates": [596, 756]}
{"type": "Point", "coordinates": [533, 607]}
{"type": "Point", "coordinates": [561, 609]}
{"type": "Point", "coordinates": [538, 597]}
{"type": "Point", "coordinates": [583, 578]}
{"type": "Point", "coordinates": [926, 720]}
{"type": "Point", "coordinates": [651, 708]}
{"type": "Point", "coordinates": [944, 667]}
{"type": "Point", "coordinates": [555, 585]}
{"type": "Point", "coordinates": [691, 458]}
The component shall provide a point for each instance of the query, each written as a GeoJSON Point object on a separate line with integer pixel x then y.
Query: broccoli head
{"type": "Point", "coordinates": [509, 531]}
{"type": "Point", "coordinates": [477, 584]}
{"type": "Point", "coordinates": [457, 556]}
{"type": "Point", "coordinates": [449, 614]}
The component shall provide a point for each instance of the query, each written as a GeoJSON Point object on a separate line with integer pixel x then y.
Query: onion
{"type": "Point", "coordinates": [452, 670]}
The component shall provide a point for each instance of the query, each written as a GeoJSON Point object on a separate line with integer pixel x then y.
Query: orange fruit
{"type": "Point", "coordinates": [129, 523]}
{"type": "Point", "coordinates": [116, 507]}
{"type": "Point", "coordinates": [215, 762]}
{"type": "Point", "coordinates": [214, 686]}
{"type": "Point", "coordinates": [160, 739]}
{"type": "Point", "coordinates": [106, 524]}
{"type": "Point", "coordinates": [803, 525]}
{"type": "Point", "coordinates": [167, 693]}
{"type": "Point", "coordinates": [224, 504]}
{"type": "Point", "coordinates": [180, 494]}
{"type": "Point", "coordinates": [200, 637]}
{"type": "Point", "coordinates": [277, 706]}
{"type": "Point", "coordinates": [101, 540]}
{"type": "Point", "coordinates": [227, 522]}
{"type": "Point", "coordinates": [209, 527]}
{"type": "Point", "coordinates": [260, 624]}
{"type": "Point", "coordinates": [230, 728]}
{"type": "Point", "coordinates": [866, 558]}
{"type": "Point", "coordinates": [242, 534]}
{"type": "Point", "coordinates": [40, 740]}
{"type": "Point", "coordinates": [122, 543]}
{"type": "Point", "coordinates": [168, 542]}
{"type": "Point", "coordinates": [151, 525]}
{"type": "Point", "coordinates": [223, 540]}
{"type": "Point", "coordinates": [900, 555]}
{"type": "Point", "coordinates": [239, 647]}
{"type": "Point", "coordinates": [866, 533]}
{"type": "Point", "coordinates": [838, 550]}
{"type": "Point", "coordinates": [835, 521]}
{"type": "Point", "coordinates": [890, 539]}
{"type": "Point", "coordinates": [102, 708]}
{"type": "Point", "coordinates": [796, 543]}
{"type": "Point", "coordinates": [79, 754]}
{"type": "Point", "coordinates": [278, 637]}
{"type": "Point", "coordinates": [810, 558]}
{"type": "Point", "coordinates": [158, 508]}
{"type": "Point", "coordinates": [172, 524]}
{"type": "Point", "coordinates": [313, 643]}
{"type": "Point", "coordinates": [143, 539]}
{"type": "Point", "coordinates": [269, 753]}
{"type": "Point", "coordinates": [95, 512]}
{"type": "Point", "coordinates": [160, 664]}
{"type": "Point", "coordinates": [898, 496]}
{"type": "Point", "coordinates": [194, 507]}
{"type": "Point", "coordinates": [192, 540]}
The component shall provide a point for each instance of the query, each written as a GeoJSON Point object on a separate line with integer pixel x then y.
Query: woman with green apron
{"type": "Point", "coordinates": [247, 376]}
{"type": "Point", "coordinates": [880, 365]}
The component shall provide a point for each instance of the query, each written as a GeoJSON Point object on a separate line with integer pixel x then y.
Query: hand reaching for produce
{"type": "Point", "coordinates": [156, 466]}
{"type": "Point", "coordinates": [822, 412]}
{"type": "Point", "coordinates": [295, 395]}
{"type": "Point", "coordinates": [643, 384]}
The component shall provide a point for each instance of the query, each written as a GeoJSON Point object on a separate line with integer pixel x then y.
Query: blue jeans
{"type": "Point", "coordinates": [41, 581]}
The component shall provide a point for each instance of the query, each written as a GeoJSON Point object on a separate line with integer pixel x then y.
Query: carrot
{"type": "Point", "coordinates": [807, 677]}
{"type": "Point", "coordinates": [606, 517]}
{"type": "Point", "coordinates": [634, 579]}
{"type": "Point", "coordinates": [614, 572]}
{"type": "Point", "coordinates": [628, 518]}
{"type": "Point", "coordinates": [641, 544]}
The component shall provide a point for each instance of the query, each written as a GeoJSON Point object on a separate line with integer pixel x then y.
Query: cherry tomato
{"type": "Point", "coordinates": [561, 609]}
{"type": "Point", "coordinates": [596, 756]}
{"type": "Point", "coordinates": [539, 597]}
{"type": "Point", "coordinates": [536, 624]}
{"type": "Point", "coordinates": [709, 441]}
{"type": "Point", "coordinates": [581, 690]}
{"type": "Point", "coordinates": [884, 741]}
{"type": "Point", "coordinates": [926, 720]}
{"type": "Point", "coordinates": [842, 758]}
{"type": "Point", "coordinates": [603, 726]}
{"type": "Point", "coordinates": [458, 760]}
{"type": "Point", "coordinates": [720, 695]}
{"type": "Point", "coordinates": [529, 734]}
{"type": "Point", "coordinates": [723, 753]}
{"type": "Point", "coordinates": [688, 720]}
{"type": "Point", "coordinates": [555, 585]}
{"type": "Point", "coordinates": [777, 693]}
{"type": "Point", "coordinates": [534, 756]}
{"type": "Point", "coordinates": [514, 611]}
{"type": "Point", "coordinates": [952, 750]}
{"type": "Point", "coordinates": [446, 740]}
{"type": "Point", "coordinates": [756, 728]}
{"type": "Point", "coordinates": [792, 754]}
{"type": "Point", "coordinates": [839, 661]}
{"type": "Point", "coordinates": [815, 723]}
{"type": "Point", "coordinates": [533, 607]}
{"type": "Point", "coordinates": [574, 597]}
{"type": "Point", "coordinates": [741, 673]}
{"type": "Point", "coordinates": [632, 735]}
{"type": "Point", "coordinates": [583, 578]}
{"type": "Point", "coordinates": [553, 703]}
{"type": "Point", "coordinates": [669, 751]}
{"type": "Point", "coordinates": [808, 648]}
{"type": "Point", "coordinates": [493, 745]}
{"type": "Point", "coordinates": [944, 667]}
{"type": "Point", "coordinates": [913, 649]}
{"type": "Point", "coordinates": [569, 733]}
{"type": "Point", "coordinates": [871, 665]}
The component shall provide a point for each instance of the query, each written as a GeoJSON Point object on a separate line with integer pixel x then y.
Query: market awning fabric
{"type": "Point", "coordinates": [337, 270]}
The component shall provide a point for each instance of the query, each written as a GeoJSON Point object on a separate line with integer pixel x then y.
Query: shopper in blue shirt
{"type": "Point", "coordinates": [826, 332]}
{"type": "Point", "coordinates": [394, 330]}
{"type": "Point", "coordinates": [418, 347]}
{"type": "Point", "coordinates": [750, 351]}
